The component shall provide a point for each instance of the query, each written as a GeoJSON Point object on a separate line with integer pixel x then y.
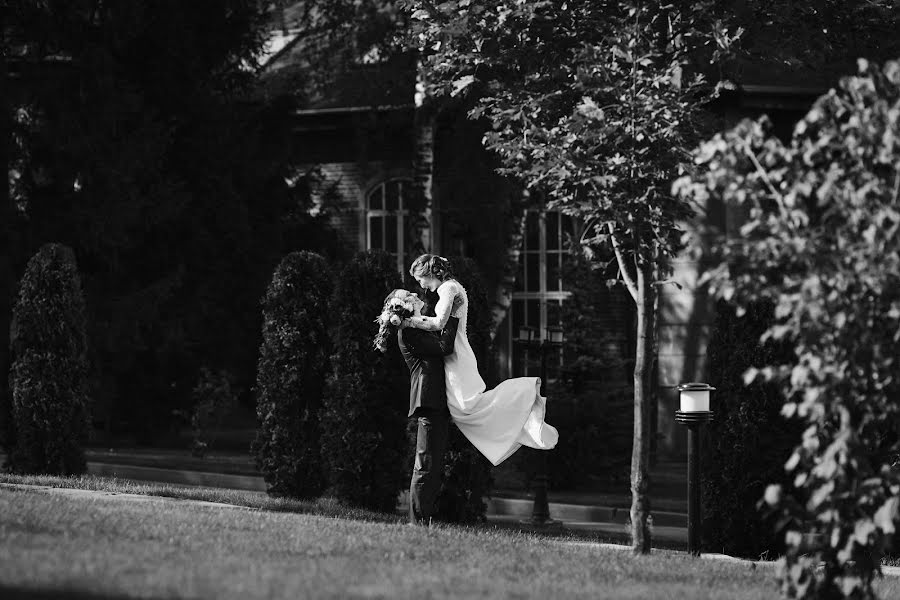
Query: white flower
{"type": "Point", "coordinates": [395, 320]}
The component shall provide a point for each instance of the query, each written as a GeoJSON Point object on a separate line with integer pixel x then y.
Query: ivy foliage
{"type": "Point", "coordinates": [821, 244]}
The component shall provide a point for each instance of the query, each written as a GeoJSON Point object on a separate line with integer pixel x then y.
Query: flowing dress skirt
{"type": "Point", "coordinates": [498, 421]}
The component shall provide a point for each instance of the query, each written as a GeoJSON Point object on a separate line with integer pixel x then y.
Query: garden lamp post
{"type": "Point", "coordinates": [694, 413]}
{"type": "Point", "coordinates": [554, 339]}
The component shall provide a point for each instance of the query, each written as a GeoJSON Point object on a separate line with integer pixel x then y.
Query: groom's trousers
{"type": "Point", "coordinates": [431, 443]}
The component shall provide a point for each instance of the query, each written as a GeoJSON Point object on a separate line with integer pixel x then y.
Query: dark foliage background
{"type": "Point", "coordinates": [48, 416]}
{"type": "Point", "coordinates": [293, 366]}
{"type": "Point", "coordinates": [749, 441]}
{"type": "Point", "coordinates": [166, 178]}
{"type": "Point", "coordinates": [591, 401]}
{"type": "Point", "coordinates": [366, 402]}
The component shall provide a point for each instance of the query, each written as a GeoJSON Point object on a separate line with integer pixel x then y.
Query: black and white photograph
{"type": "Point", "coordinates": [533, 299]}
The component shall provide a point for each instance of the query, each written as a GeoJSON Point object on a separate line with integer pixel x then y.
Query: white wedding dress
{"type": "Point", "coordinates": [498, 421]}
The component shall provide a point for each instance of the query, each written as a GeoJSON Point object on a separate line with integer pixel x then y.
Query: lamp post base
{"type": "Point", "coordinates": [694, 420]}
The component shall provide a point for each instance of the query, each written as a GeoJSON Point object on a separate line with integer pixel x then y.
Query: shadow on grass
{"type": "Point", "coordinates": [326, 507]}
{"type": "Point", "coordinates": [19, 593]}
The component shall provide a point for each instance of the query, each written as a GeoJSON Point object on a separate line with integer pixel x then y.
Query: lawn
{"type": "Point", "coordinates": [84, 545]}
{"type": "Point", "coordinates": [260, 500]}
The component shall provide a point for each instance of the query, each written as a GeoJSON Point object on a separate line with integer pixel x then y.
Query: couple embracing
{"type": "Point", "coordinates": [445, 384]}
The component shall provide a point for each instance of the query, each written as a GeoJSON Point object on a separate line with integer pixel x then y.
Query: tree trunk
{"type": "Point", "coordinates": [643, 394]}
{"type": "Point", "coordinates": [423, 225]}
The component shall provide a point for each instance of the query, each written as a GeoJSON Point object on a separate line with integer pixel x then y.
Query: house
{"type": "Point", "coordinates": [414, 179]}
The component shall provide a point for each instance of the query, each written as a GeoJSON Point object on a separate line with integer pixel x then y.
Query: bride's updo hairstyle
{"type": "Point", "coordinates": [431, 265]}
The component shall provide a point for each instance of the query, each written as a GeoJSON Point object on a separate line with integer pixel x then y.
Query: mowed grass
{"type": "Point", "coordinates": [259, 500]}
{"type": "Point", "coordinates": [56, 543]}
{"type": "Point", "coordinates": [325, 506]}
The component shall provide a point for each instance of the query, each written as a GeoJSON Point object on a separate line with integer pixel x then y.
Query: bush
{"type": "Point", "coordinates": [591, 442]}
{"type": "Point", "coordinates": [293, 365]}
{"type": "Point", "coordinates": [366, 403]}
{"type": "Point", "coordinates": [48, 378]}
{"type": "Point", "coordinates": [591, 403]}
{"type": "Point", "coordinates": [467, 477]}
{"type": "Point", "coordinates": [820, 243]}
{"type": "Point", "coordinates": [466, 482]}
{"type": "Point", "coordinates": [748, 442]}
{"type": "Point", "coordinates": [214, 397]}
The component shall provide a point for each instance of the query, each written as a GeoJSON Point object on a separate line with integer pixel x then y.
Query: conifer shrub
{"type": "Point", "coordinates": [291, 374]}
{"type": "Point", "coordinates": [749, 440]}
{"type": "Point", "coordinates": [48, 378]}
{"type": "Point", "coordinates": [367, 398]}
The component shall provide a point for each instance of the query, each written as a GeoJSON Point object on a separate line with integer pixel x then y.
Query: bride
{"type": "Point", "coordinates": [498, 421]}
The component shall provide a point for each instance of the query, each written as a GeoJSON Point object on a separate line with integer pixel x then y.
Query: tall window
{"type": "Point", "coordinates": [386, 216]}
{"type": "Point", "coordinates": [539, 292]}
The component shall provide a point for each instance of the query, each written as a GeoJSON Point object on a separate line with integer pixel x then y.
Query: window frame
{"type": "Point", "coordinates": [401, 213]}
{"type": "Point", "coordinates": [542, 295]}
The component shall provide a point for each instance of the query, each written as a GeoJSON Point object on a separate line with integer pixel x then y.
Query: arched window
{"type": "Point", "coordinates": [386, 215]}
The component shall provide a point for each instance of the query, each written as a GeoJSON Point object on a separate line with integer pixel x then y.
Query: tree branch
{"type": "Point", "coordinates": [623, 263]}
{"type": "Point", "coordinates": [896, 187]}
{"type": "Point", "coordinates": [765, 177]}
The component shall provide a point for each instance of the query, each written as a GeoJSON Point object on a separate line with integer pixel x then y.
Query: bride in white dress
{"type": "Point", "coordinates": [498, 421]}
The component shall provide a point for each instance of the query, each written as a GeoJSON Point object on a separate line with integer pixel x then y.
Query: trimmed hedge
{"type": "Point", "coordinates": [748, 442]}
{"type": "Point", "coordinates": [48, 378]}
{"type": "Point", "coordinates": [293, 365]}
{"type": "Point", "coordinates": [366, 402]}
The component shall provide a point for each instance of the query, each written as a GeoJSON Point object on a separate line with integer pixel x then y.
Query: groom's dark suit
{"type": "Point", "coordinates": [424, 352]}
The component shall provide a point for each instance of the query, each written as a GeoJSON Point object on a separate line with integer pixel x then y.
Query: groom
{"type": "Point", "coordinates": [424, 352]}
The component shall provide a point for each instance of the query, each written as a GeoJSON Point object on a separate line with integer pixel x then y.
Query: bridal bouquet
{"type": "Point", "coordinates": [395, 311]}
{"type": "Point", "coordinates": [392, 314]}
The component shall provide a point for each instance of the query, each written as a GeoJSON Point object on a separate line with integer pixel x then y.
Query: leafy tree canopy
{"type": "Point", "coordinates": [592, 105]}
{"type": "Point", "coordinates": [821, 243]}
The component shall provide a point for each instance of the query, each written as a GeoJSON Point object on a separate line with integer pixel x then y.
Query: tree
{"type": "Point", "coordinates": [593, 106]}
{"type": "Point", "coordinates": [293, 367]}
{"type": "Point", "coordinates": [364, 410]}
{"type": "Point", "coordinates": [813, 42]}
{"type": "Point", "coordinates": [139, 143]}
{"type": "Point", "coordinates": [49, 371]}
{"type": "Point", "coordinates": [821, 244]}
